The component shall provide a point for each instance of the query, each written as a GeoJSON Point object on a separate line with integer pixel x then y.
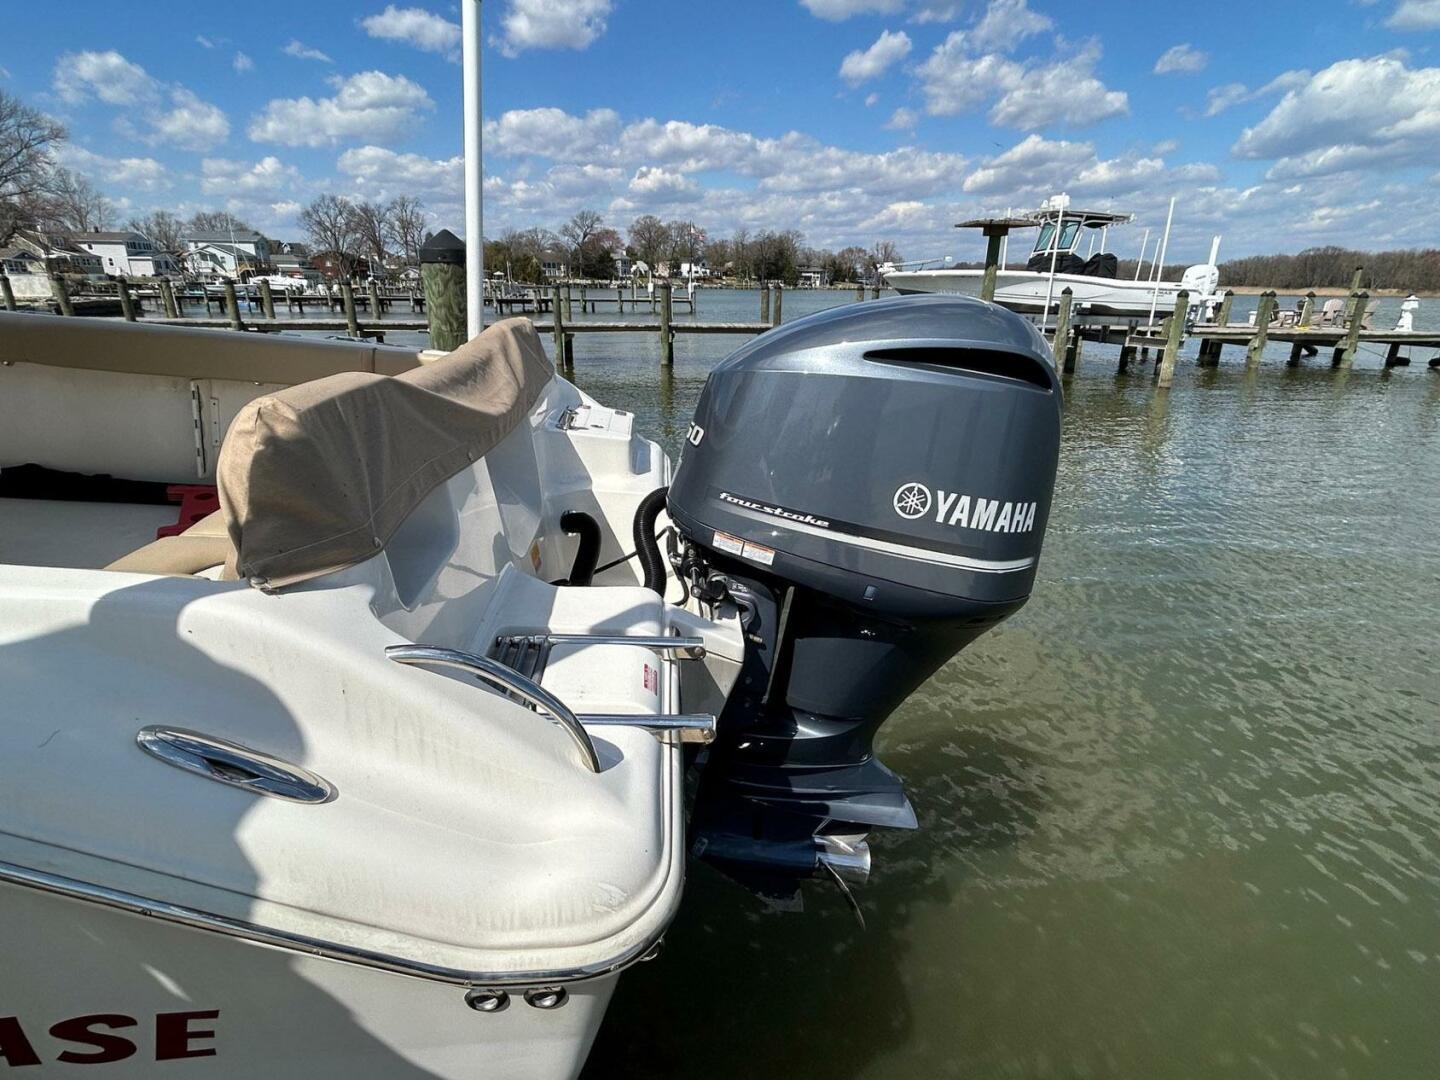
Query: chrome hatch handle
{"type": "Point", "coordinates": [233, 764]}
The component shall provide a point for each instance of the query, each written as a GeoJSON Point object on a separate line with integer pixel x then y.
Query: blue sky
{"type": "Point", "coordinates": [1279, 125]}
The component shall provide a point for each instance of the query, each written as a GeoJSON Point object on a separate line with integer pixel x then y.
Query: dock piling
{"type": "Point", "coordinates": [127, 301]}
{"type": "Point", "coordinates": [375, 309]}
{"type": "Point", "coordinates": [167, 298]}
{"type": "Point", "coordinates": [1222, 317]}
{"type": "Point", "coordinates": [667, 338]}
{"type": "Point", "coordinates": [779, 302]}
{"type": "Point", "coordinates": [267, 300]}
{"type": "Point", "coordinates": [232, 306]}
{"type": "Point", "coordinates": [557, 311]}
{"type": "Point", "coordinates": [62, 294]}
{"type": "Point", "coordinates": [859, 294]}
{"type": "Point", "coordinates": [1263, 315]}
{"type": "Point", "coordinates": [1061, 342]}
{"type": "Point", "coordinates": [7, 292]}
{"type": "Point", "coordinates": [347, 298]}
{"type": "Point", "coordinates": [1345, 352]}
{"type": "Point", "coordinates": [1307, 311]}
{"type": "Point", "coordinates": [1173, 339]}
{"type": "Point", "coordinates": [442, 278]}
{"type": "Point", "coordinates": [765, 303]}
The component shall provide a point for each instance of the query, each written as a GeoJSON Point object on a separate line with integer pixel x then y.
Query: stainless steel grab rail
{"type": "Point", "coordinates": [691, 727]}
{"type": "Point", "coordinates": [497, 674]}
{"type": "Point", "coordinates": [692, 647]}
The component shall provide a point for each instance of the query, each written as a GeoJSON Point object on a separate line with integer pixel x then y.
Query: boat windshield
{"type": "Point", "coordinates": [1047, 232]}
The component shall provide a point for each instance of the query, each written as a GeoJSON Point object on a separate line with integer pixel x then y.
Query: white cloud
{"type": "Point", "coordinates": [661, 185]}
{"type": "Point", "coordinates": [415, 26]}
{"type": "Point", "coordinates": [1030, 95]}
{"type": "Point", "coordinates": [205, 42]}
{"type": "Point", "coordinates": [551, 24]}
{"type": "Point", "coordinates": [1415, 15]}
{"type": "Point", "coordinates": [107, 76]}
{"type": "Point", "coordinates": [937, 11]}
{"type": "Point", "coordinates": [189, 123]}
{"type": "Point", "coordinates": [1223, 97]}
{"type": "Point", "coordinates": [370, 105]}
{"type": "Point", "coordinates": [1063, 93]}
{"type": "Point", "coordinates": [902, 119]}
{"type": "Point", "coordinates": [552, 133]}
{"type": "Point", "coordinates": [871, 99]}
{"type": "Point", "coordinates": [1183, 58]}
{"type": "Point", "coordinates": [840, 10]}
{"type": "Point", "coordinates": [242, 62]}
{"type": "Point", "coordinates": [135, 174]}
{"type": "Point", "coordinates": [1036, 167]}
{"type": "Point", "coordinates": [267, 179]}
{"type": "Point", "coordinates": [1355, 114]}
{"type": "Point", "coordinates": [1006, 23]}
{"type": "Point", "coordinates": [300, 51]}
{"type": "Point", "coordinates": [173, 114]}
{"type": "Point", "coordinates": [380, 173]}
{"type": "Point", "coordinates": [862, 65]}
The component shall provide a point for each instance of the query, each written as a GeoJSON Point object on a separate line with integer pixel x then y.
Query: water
{"type": "Point", "coordinates": [1180, 817]}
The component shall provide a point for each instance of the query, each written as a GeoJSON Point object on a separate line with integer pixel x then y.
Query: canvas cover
{"type": "Point", "coordinates": [320, 475]}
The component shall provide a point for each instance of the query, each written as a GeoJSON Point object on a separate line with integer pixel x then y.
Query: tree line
{"type": "Point", "coordinates": [589, 248]}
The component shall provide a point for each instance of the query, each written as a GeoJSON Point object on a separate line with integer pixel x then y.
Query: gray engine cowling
{"type": "Point", "coordinates": [871, 485]}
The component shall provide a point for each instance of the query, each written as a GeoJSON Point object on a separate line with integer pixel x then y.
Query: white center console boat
{"type": "Point", "coordinates": [372, 764]}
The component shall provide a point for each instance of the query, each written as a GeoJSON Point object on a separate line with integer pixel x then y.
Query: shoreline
{"type": "Point", "coordinates": [1328, 290]}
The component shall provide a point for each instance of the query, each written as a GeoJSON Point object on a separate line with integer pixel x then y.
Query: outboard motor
{"type": "Point", "coordinates": [869, 486]}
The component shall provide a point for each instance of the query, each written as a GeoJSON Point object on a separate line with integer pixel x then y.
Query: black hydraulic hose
{"type": "Point", "coordinates": [588, 554]}
{"type": "Point", "coordinates": [648, 550]}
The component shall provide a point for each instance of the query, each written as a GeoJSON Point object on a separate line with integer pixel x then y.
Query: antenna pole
{"type": "Point", "coordinates": [1160, 262]}
{"type": "Point", "coordinates": [474, 170]}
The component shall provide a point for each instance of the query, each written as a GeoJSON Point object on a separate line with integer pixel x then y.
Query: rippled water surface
{"type": "Point", "coordinates": [1180, 817]}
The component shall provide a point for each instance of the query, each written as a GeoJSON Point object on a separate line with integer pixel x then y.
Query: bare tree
{"type": "Point", "coordinates": [371, 223]}
{"type": "Point", "coordinates": [650, 239]}
{"type": "Point", "coordinates": [580, 228]}
{"type": "Point", "coordinates": [217, 221]}
{"type": "Point", "coordinates": [78, 204]}
{"type": "Point", "coordinates": [329, 222]}
{"type": "Point", "coordinates": [161, 228]}
{"type": "Point", "coordinates": [884, 252]}
{"type": "Point", "coordinates": [27, 166]}
{"type": "Point", "coordinates": [407, 226]}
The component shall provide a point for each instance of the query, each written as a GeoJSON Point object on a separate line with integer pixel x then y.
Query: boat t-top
{"type": "Point", "coordinates": [1057, 262]}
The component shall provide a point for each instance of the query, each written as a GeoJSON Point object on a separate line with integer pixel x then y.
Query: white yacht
{"type": "Point", "coordinates": [348, 697]}
{"type": "Point", "coordinates": [1071, 251]}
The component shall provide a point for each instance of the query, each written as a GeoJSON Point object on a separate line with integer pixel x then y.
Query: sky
{"type": "Point", "coordinates": [1278, 125]}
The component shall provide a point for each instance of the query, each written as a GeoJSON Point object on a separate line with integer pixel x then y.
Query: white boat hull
{"type": "Point", "coordinates": [142, 997]}
{"type": "Point", "coordinates": [1026, 291]}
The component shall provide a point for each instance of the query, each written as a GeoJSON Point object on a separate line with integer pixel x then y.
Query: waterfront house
{"type": "Point", "coordinates": [814, 276]}
{"type": "Point", "coordinates": [124, 254]}
{"type": "Point", "coordinates": [26, 271]}
{"type": "Point", "coordinates": [58, 256]}
{"type": "Point", "coordinates": [555, 265]}
{"type": "Point", "coordinates": [224, 253]}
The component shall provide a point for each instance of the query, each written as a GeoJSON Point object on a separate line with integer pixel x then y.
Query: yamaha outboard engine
{"type": "Point", "coordinates": [870, 486]}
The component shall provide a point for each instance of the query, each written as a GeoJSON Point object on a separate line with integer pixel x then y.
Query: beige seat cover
{"type": "Point", "coordinates": [318, 476]}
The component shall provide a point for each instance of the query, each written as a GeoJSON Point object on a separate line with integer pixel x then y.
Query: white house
{"type": "Point", "coordinates": [126, 254]}
{"type": "Point", "coordinates": [229, 254]}
{"type": "Point", "coordinates": [59, 257]}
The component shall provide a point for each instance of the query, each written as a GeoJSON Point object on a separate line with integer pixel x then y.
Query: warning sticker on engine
{"type": "Point", "coordinates": [758, 553]}
{"type": "Point", "coordinates": [652, 679]}
{"type": "Point", "coordinates": [731, 545]}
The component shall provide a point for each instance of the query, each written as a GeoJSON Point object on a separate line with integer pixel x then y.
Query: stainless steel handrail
{"type": "Point", "coordinates": [497, 674]}
{"type": "Point", "coordinates": [691, 728]}
{"type": "Point", "coordinates": [692, 647]}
